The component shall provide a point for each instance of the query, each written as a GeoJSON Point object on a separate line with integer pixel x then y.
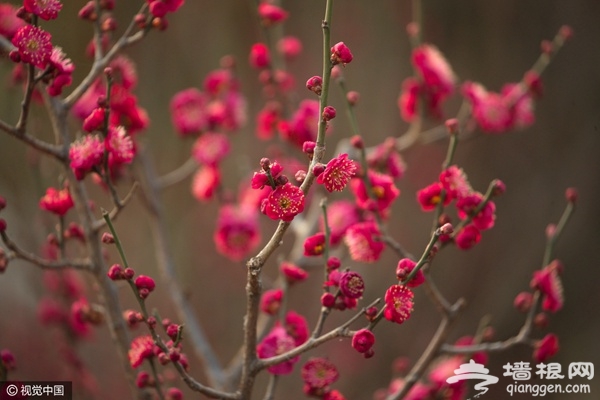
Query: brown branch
{"type": "Point", "coordinates": [119, 205]}
{"type": "Point", "coordinates": [166, 265]}
{"type": "Point", "coordinates": [430, 352]}
{"type": "Point", "coordinates": [38, 144]}
{"type": "Point", "coordinates": [126, 40]}
{"type": "Point", "coordinates": [177, 175]}
{"type": "Point", "coordinates": [18, 252]}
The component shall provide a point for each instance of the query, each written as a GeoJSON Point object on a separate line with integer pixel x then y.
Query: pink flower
{"type": "Point", "coordinates": [340, 53]}
{"type": "Point", "coordinates": [210, 148]}
{"type": "Point", "coordinates": [270, 301]}
{"type": "Point", "coordinates": [490, 110]}
{"type": "Point", "coordinates": [430, 196]}
{"type": "Point", "coordinates": [333, 395]}
{"type": "Point", "coordinates": [275, 343]}
{"type": "Point", "coordinates": [485, 218]}
{"type": "Point", "coordinates": [523, 301]}
{"type": "Point", "coordinates": [340, 216]}
{"type": "Point", "coordinates": [363, 242]}
{"type": "Point", "coordinates": [296, 326]}
{"type": "Point", "coordinates": [85, 154]}
{"type": "Point", "coordinates": [290, 47]}
{"type": "Point", "coordinates": [292, 272]}
{"type": "Point", "coordinates": [314, 245]}
{"type": "Point", "coordinates": [382, 188]}
{"type": "Point", "coordinates": [271, 14]}
{"type": "Point", "coordinates": [259, 56]}
{"type": "Point", "coordinates": [57, 201]}
{"type": "Point", "coordinates": [386, 159]}
{"type": "Point", "coordinates": [142, 348]}
{"type": "Point", "coordinates": [119, 146]}
{"type": "Point", "coordinates": [95, 120]}
{"type": "Point", "coordinates": [237, 232]}
{"type": "Point", "coordinates": [337, 174]}
{"type": "Point", "coordinates": [267, 120]}
{"type": "Point", "coordinates": [62, 70]}
{"type": "Point", "coordinates": [455, 182]}
{"type": "Point", "coordinates": [545, 348]}
{"type": "Point", "coordinates": [124, 72]}
{"type": "Point", "coordinates": [319, 373]}
{"type": "Point", "coordinates": [521, 105]}
{"type": "Point", "coordinates": [303, 125]}
{"type": "Point", "coordinates": [436, 73]}
{"type": "Point", "coordinates": [549, 284]}
{"type": "Point", "coordinates": [398, 304]}
{"type": "Point", "coordinates": [33, 45]}
{"type": "Point", "coordinates": [188, 111]}
{"type": "Point", "coordinates": [205, 183]}
{"type": "Point", "coordinates": [45, 9]}
{"type": "Point", "coordinates": [363, 340]}
{"type": "Point", "coordinates": [284, 203]}
{"type": "Point", "coordinates": [352, 285]}
{"type": "Point", "coordinates": [173, 5]}
{"type": "Point", "coordinates": [409, 96]}
{"type": "Point", "coordinates": [404, 268]}
{"type": "Point", "coordinates": [467, 237]}
{"type": "Point", "coordinates": [9, 22]}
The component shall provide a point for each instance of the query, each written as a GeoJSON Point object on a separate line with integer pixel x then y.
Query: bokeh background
{"type": "Point", "coordinates": [489, 42]}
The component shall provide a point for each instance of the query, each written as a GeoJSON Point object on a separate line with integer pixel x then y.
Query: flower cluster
{"type": "Point", "coordinates": [499, 112]}
{"type": "Point", "coordinates": [476, 212]}
{"type": "Point", "coordinates": [317, 374]}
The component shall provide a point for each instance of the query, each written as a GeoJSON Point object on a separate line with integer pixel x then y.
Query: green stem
{"type": "Point", "coordinates": [106, 217]}
{"type": "Point", "coordinates": [327, 239]}
{"type": "Point", "coordinates": [562, 222]}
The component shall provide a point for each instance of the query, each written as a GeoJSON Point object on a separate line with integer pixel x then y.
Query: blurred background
{"type": "Point", "coordinates": [489, 42]}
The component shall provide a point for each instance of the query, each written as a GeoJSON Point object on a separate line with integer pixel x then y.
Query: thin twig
{"type": "Point", "coordinates": [177, 175]}
{"type": "Point", "coordinates": [17, 252]}
{"type": "Point", "coordinates": [118, 206]}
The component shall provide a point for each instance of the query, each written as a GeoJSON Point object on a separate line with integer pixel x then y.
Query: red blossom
{"type": "Point", "coordinates": [545, 348]}
{"type": "Point", "coordinates": [430, 196]}
{"type": "Point", "coordinates": [467, 237]}
{"type": "Point", "coordinates": [338, 173]}
{"type": "Point", "coordinates": [205, 183]}
{"type": "Point", "coordinates": [45, 9]}
{"type": "Point", "coordinates": [145, 282]}
{"type": "Point", "coordinates": [549, 283]}
{"type": "Point", "coordinates": [296, 326]}
{"type": "Point", "coordinates": [33, 45]}
{"type": "Point", "coordinates": [352, 285]}
{"type": "Point", "coordinates": [404, 268]}
{"type": "Point", "coordinates": [290, 47]}
{"type": "Point", "coordinates": [259, 56]}
{"type": "Point", "coordinates": [9, 22]}
{"type": "Point", "coordinates": [119, 145]}
{"type": "Point", "coordinates": [188, 111]}
{"type": "Point", "coordinates": [485, 218]}
{"type": "Point", "coordinates": [382, 188]}
{"type": "Point", "coordinates": [318, 373]}
{"type": "Point", "coordinates": [340, 216]}
{"type": "Point", "coordinates": [454, 180]}
{"type": "Point", "coordinates": [363, 242]}
{"type": "Point", "coordinates": [315, 245]}
{"type": "Point", "coordinates": [211, 148]}
{"type": "Point", "coordinates": [292, 272]}
{"type": "Point", "coordinates": [363, 340]}
{"type": "Point", "coordinates": [302, 126]}
{"type": "Point", "coordinates": [398, 303]}
{"type": "Point", "coordinates": [57, 201]}
{"type": "Point", "coordinates": [340, 53]}
{"type": "Point", "coordinates": [275, 343]}
{"type": "Point", "coordinates": [270, 301]}
{"type": "Point", "coordinates": [85, 154]}
{"type": "Point", "coordinates": [142, 348]}
{"type": "Point", "coordinates": [237, 232]}
{"type": "Point", "coordinates": [284, 203]}
{"type": "Point", "coordinates": [271, 14]}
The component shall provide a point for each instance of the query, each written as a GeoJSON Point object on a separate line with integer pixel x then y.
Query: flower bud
{"type": "Point", "coordinates": [328, 113]}
{"type": "Point", "coordinates": [363, 340]}
{"type": "Point", "coordinates": [315, 84]}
